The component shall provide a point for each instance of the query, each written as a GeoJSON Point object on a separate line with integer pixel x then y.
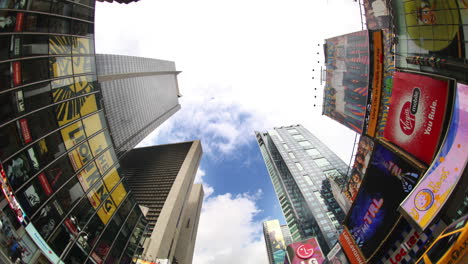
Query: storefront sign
{"type": "Point", "coordinates": [416, 114]}
{"type": "Point", "coordinates": [305, 252]}
{"type": "Point", "coordinates": [376, 83]}
{"type": "Point", "coordinates": [388, 180]}
{"type": "Point", "coordinates": [352, 251]}
{"type": "Point", "coordinates": [430, 195]}
{"type": "Point", "coordinates": [46, 250]}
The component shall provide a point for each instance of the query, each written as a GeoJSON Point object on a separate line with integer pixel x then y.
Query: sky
{"type": "Point", "coordinates": [246, 66]}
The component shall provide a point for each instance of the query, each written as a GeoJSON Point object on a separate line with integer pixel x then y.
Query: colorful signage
{"type": "Point", "coordinates": [336, 255]}
{"type": "Point", "coordinates": [388, 180]}
{"type": "Point", "coordinates": [361, 161]}
{"type": "Point", "coordinates": [305, 252]}
{"type": "Point", "coordinates": [416, 114]}
{"type": "Point", "coordinates": [277, 245]}
{"type": "Point", "coordinates": [430, 195]}
{"type": "Point", "coordinates": [8, 192]}
{"type": "Point", "coordinates": [46, 250]}
{"type": "Point", "coordinates": [347, 81]}
{"type": "Point", "coordinates": [377, 14]}
{"type": "Point", "coordinates": [350, 248]}
{"type": "Point", "coordinates": [376, 83]}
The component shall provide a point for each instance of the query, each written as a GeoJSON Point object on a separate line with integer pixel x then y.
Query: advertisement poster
{"type": "Point", "coordinates": [376, 88]}
{"type": "Point", "coordinates": [377, 14]}
{"type": "Point", "coordinates": [347, 80]}
{"type": "Point", "coordinates": [275, 236]}
{"type": "Point", "coordinates": [361, 160]}
{"type": "Point", "coordinates": [407, 244]}
{"type": "Point", "coordinates": [389, 179]}
{"type": "Point", "coordinates": [349, 247]}
{"type": "Point", "coordinates": [430, 195]}
{"type": "Point", "coordinates": [307, 251]}
{"type": "Point", "coordinates": [337, 256]}
{"type": "Point", "coordinates": [416, 114]}
{"type": "Point", "coordinates": [46, 250]}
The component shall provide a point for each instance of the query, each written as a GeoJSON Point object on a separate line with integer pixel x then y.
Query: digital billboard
{"type": "Point", "coordinates": [347, 80]}
{"type": "Point", "coordinates": [276, 241]}
{"type": "Point", "coordinates": [307, 251]}
{"type": "Point", "coordinates": [336, 255]}
{"type": "Point", "coordinates": [361, 161]}
{"type": "Point", "coordinates": [430, 195]}
{"type": "Point", "coordinates": [416, 114]}
{"type": "Point", "coordinates": [389, 178]}
{"type": "Point", "coordinates": [377, 14]}
{"type": "Point", "coordinates": [350, 248]}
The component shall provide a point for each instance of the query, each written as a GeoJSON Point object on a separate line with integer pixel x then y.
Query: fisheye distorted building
{"type": "Point", "coordinates": [300, 167]}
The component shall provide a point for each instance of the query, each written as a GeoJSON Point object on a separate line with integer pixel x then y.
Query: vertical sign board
{"type": "Point", "coordinates": [376, 83]}
{"type": "Point", "coordinates": [374, 214]}
{"type": "Point", "coordinates": [306, 252]}
{"type": "Point", "coordinates": [347, 81]}
{"type": "Point", "coordinates": [416, 114]}
{"type": "Point", "coordinates": [350, 248]}
{"type": "Point", "coordinates": [276, 241]}
{"type": "Point", "coordinates": [430, 195]}
{"type": "Point", "coordinates": [46, 250]}
{"type": "Point", "coordinates": [361, 161]}
{"type": "Point", "coordinates": [337, 256]}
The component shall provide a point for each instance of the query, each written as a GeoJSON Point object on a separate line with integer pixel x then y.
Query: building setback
{"type": "Point", "coordinates": [277, 237]}
{"type": "Point", "coordinates": [161, 179]}
{"type": "Point", "coordinates": [299, 166]}
{"type": "Point", "coordinates": [139, 95]}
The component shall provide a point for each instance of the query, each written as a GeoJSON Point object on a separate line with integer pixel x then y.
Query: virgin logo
{"type": "Point", "coordinates": [305, 251]}
{"type": "Point", "coordinates": [407, 119]}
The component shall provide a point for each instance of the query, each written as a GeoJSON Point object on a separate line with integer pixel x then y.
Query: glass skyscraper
{"type": "Point", "coordinates": [64, 199]}
{"type": "Point", "coordinates": [299, 165]}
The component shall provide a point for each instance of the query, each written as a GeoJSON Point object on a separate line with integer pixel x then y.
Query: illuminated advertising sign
{"type": "Point", "coordinates": [277, 246]}
{"type": "Point", "coordinates": [347, 81]}
{"type": "Point", "coordinates": [157, 261]}
{"type": "Point", "coordinates": [388, 180]}
{"type": "Point", "coordinates": [336, 255]}
{"type": "Point", "coordinates": [305, 252]}
{"type": "Point", "coordinates": [361, 161]}
{"type": "Point", "coordinates": [8, 192]}
{"type": "Point", "coordinates": [377, 14]}
{"type": "Point", "coordinates": [350, 248]}
{"type": "Point", "coordinates": [430, 195]}
{"type": "Point", "coordinates": [376, 83]}
{"type": "Point", "coordinates": [46, 250]}
{"type": "Point", "coordinates": [416, 114]}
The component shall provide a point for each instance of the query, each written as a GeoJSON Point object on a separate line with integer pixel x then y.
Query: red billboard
{"type": "Point", "coordinates": [416, 114]}
{"type": "Point", "coordinates": [350, 248]}
{"type": "Point", "coordinates": [307, 251]}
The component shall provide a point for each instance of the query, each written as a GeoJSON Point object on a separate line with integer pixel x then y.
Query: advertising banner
{"type": "Point", "coordinates": [389, 179]}
{"type": "Point", "coordinates": [377, 75]}
{"type": "Point", "coordinates": [361, 160]}
{"type": "Point", "coordinates": [350, 248]}
{"type": "Point", "coordinates": [416, 114]}
{"type": "Point", "coordinates": [377, 14]}
{"type": "Point", "coordinates": [8, 192]}
{"type": "Point", "coordinates": [305, 252]}
{"type": "Point", "coordinates": [337, 256]}
{"type": "Point", "coordinates": [276, 238]}
{"type": "Point", "coordinates": [46, 250]}
{"type": "Point", "coordinates": [347, 81]}
{"type": "Point", "coordinates": [430, 195]}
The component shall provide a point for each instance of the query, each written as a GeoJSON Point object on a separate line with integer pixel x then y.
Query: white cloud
{"type": "Point", "coordinates": [228, 233]}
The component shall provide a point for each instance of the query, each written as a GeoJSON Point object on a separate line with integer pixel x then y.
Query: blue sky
{"type": "Point", "coordinates": [246, 65]}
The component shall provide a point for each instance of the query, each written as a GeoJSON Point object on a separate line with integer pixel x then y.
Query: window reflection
{"type": "Point", "coordinates": [35, 70]}
{"type": "Point", "coordinates": [48, 218]}
{"type": "Point", "coordinates": [10, 140]}
{"type": "Point", "coordinates": [60, 45]}
{"type": "Point", "coordinates": [59, 172]}
{"type": "Point", "coordinates": [19, 169]}
{"type": "Point", "coordinates": [32, 196]}
{"type": "Point", "coordinates": [60, 66]}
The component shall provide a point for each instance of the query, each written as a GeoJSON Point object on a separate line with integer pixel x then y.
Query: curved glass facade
{"type": "Point", "coordinates": [60, 173]}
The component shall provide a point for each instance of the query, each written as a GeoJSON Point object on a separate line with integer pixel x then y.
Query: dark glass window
{"type": "Point", "coordinates": [125, 208]}
{"type": "Point", "coordinates": [31, 45]}
{"type": "Point", "coordinates": [76, 255]}
{"type": "Point", "coordinates": [48, 218]}
{"type": "Point", "coordinates": [37, 96]}
{"type": "Point", "coordinates": [59, 25]}
{"type": "Point", "coordinates": [82, 28]}
{"type": "Point", "coordinates": [36, 23]}
{"type": "Point", "coordinates": [8, 21]}
{"type": "Point", "coordinates": [58, 172]}
{"type": "Point", "coordinates": [19, 169]}
{"type": "Point", "coordinates": [42, 122]}
{"type": "Point", "coordinates": [61, 8]}
{"type": "Point", "coordinates": [5, 76]}
{"type": "Point", "coordinates": [49, 148]}
{"type": "Point", "coordinates": [5, 42]}
{"type": "Point", "coordinates": [60, 45]}
{"type": "Point", "coordinates": [83, 46]}
{"type": "Point", "coordinates": [82, 12]}
{"type": "Point", "coordinates": [103, 247]}
{"type": "Point", "coordinates": [32, 196]}
{"type": "Point", "coordinates": [441, 247]}
{"type": "Point", "coordinates": [35, 70]}
{"type": "Point", "coordinates": [60, 66]}
{"type": "Point", "coordinates": [83, 64]}
{"type": "Point", "coordinates": [132, 218]}
{"type": "Point", "coordinates": [40, 5]}
{"type": "Point", "coordinates": [10, 140]}
{"type": "Point", "coordinates": [119, 244]}
{"type": "Point", "coordinates": [86, 2]}
{"type": "Point", "coordinates": [82, 213]}
{"type": "Point", "coordinates": [93, 229]}
{"type": "Point", "coordinates": [70, 193]}
{"type": "Point", "coordinates": [63, 89]}
{"type": "Point", "coordinates": [59, 240]}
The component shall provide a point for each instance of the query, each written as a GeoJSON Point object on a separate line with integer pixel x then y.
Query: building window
{"type": "Point", "coordinates": [305, 143]}
{"type": "Point", "coordinates": [312, 152]}
{"type": "Point", "coordinates": [298, 137]}
{"type": "Point", "coordinates": [291, 155]}
{"type": "Point", "coordinates": [299, 166]}
{"type": "Point", "coordinates": [292, 131]}
{"type": "Point", "coordinates": [322, 162]}
{"type": "Point", "coordinates": [307, 179]}
{"type": "Point", "coordinates": [285, 146]}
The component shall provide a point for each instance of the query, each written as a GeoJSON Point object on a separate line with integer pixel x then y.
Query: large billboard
{"type": "Point", "coordinates": [416, 114]}
{"type": "Point", "coordinates": [430, 195]}
{"type": "Point", "coordinates": [347, 79]}
{"type": "Point", "coordinates": [430, 36]}
{"type": "Point", "coordinates": [361, 161]}
{"type": "Point", "coordinates": [277, 245]}
{"type": "Point", "coordinates": [307, 251]}
{"type": "Point", "coordinates": [389, 179]}
{"type": "Point", "coordinates": [377, 14]}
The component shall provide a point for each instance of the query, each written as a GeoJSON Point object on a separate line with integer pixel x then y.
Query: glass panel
{"type": "Point", "coordinates": [291, 155]}
{"type": "Point", "coordinates": [103, 247]}
{"type": "Point", "coordinates": [299, 166]}
{"type": "Point", "coordinates": [111, 178]}
{"type": "Point", "coordinates": [99, 142]}
{"type": "Point", "coordinates": [106, 160]}
{"type": "Point", "coordinates": [93, 229]}
{"type": "Point", "coordinates": [285, 146]}
{"type": "Point", "coordinates": [297, 137]}
{"type": "Point", "coordinates": [80, 156]}
{"type": "Point", "coordinates": [94, 123]}
{"type": "Point", "coordinates": [5, 47]}
{"type": "Point", "coordinates": [68, 111]}
{"type": "Point", "coordinates": [31, 45]}
{"type": "Point", "coordinates": [37, 96]}
{"type": "Point", "coordinates": [82, 28]}
{"type": "Point", "coordinates": [19, 169]}
{"type": "Point", "coordinates": [83, 12]}
{"type": "Point", "coordinates": [313, 152]}
{"type": "Point", "coordinates": [36, 23]}
{"type": "Point", "coordinates": [119, 194]}
{"type": "Point", "coordinates": [40, 5]}
{"type": "Point", "coordinates": [59, 240]}
{"type": "Point", "coordinates": [59, 172]}
{"type": "Point", "coordinates": [83, 64]}
{"type": "Point", "coordinates": [76, 255]}
{"type": "Point", "coordinates": [48, 218]}
{"type": "Point", "coordinates": [5, 76]}
{"type": "Point", "coordinates": [35, 70]}
{"type": "Point", "coordinates": [8, 21]}
{"type": "Point", "coordinates": [61, 8]}
{"type": "Point", "coordinates": [125, 208]}
{"type": "Point", "coordinates": [305, 143]}
{"type": "Point", "coordinates": [73, 134]}
{"type": "Point", "coordinates": [89, 104]}
{"type": "Point", "coordinates": [70, 193]}
{"type": "Point", "coordinates": [59, 25]}
{"type": "Point", "coordinates": [60, 66]}
{"type": "Point", "coordinates": [293, 131]}
{"type": "Point", "coordinates": [32, 196]}
{"type": "Point", "coordinates": [42, 122]}
{"type": "Point", "coordinates": [10, 140]}
{"type": "Point", "coordinates": [60, 45]}
{"type": "Point", "coordinates": [49, 148]}
{"type": "Point", "coordinates": [83, 46]}
{"type": "Point", "coordinates": [82, 213]}
{"type": "Point", "coordinates": [89, 176]}
{"type": "Point", "coordinates": [322, 162]}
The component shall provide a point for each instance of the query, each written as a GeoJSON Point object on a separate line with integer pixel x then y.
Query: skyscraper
{"type": "Point", "coordinates": [139, 95]}
{"type": "Point", "coordinates": [277, 237]}
{"type": "Point", "coordinates": [161, 178]}
{"type": "Point", "coordinates": [299, 165]}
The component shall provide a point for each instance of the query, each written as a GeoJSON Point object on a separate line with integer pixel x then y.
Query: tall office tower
{"type": "Point", "coordinates": [139, 95]}
{"type": "Point", "coordinates": [63, 199]}
{"type": "Point", "coordinates": [161, 178]}
{"type": "Point", "coordinates": [277, 237]}
{"type": "Point", "coordinates": [299, 164]}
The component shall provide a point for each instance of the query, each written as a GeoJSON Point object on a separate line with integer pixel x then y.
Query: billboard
{"type": "Point", "coordinates": [350, 248]}
{"type": "Point", "coordinates": [336, 255]}
{"type": "Point", "coordinates": [361, 160]}
{"type": "Point", "coordinates": [416, 114]}
{"type": "Point", "coordinates": [305, 252]}
{"type": "Point", "coordinates": [430, 195]}
{"type": "Point", "coordinates": [347, 80]}
{"type": "Point", "coordinates": [277, 245]}
{"type": "Point", "coordinates": [377, 14]}
{"type": "Point", "coordinates": [389, 179]}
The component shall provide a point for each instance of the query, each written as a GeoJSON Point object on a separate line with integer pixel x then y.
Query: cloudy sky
{"type": "Point", "coordinates": [246, 66]}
